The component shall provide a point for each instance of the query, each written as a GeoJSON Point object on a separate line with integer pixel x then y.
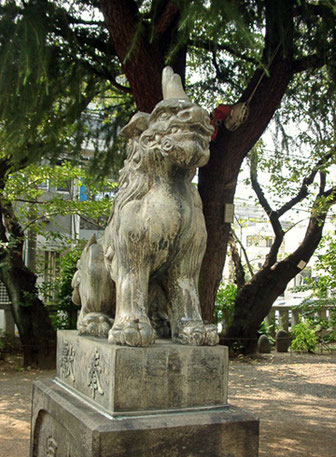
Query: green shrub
{"type": "Point", "coordinates": [66, 316]}
{"type": "Point", "coordinates": [225, 301]}
{"type": "Point", "coordinates": [57, 293]}
{"type": "Point", "coordinates": [304, 339]}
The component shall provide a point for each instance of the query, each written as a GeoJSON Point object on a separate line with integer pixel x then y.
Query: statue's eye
{"type": "Point", "coordinates": [164, 116]}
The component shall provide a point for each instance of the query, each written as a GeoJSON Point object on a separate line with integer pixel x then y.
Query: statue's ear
{"type": "Point", "coordinates": [138, 124]}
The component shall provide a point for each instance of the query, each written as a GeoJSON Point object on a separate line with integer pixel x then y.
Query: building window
{"type": "Point", "coordinates": [3, 294]}
{"type": "Point", "coordinates": [259, 240]}
{"type": "Point", "coordinates": [50, 265]}
{"type": "Point", "coordinates": [65, 186]}
{"type": "Point", "coordinates": [44, 185]}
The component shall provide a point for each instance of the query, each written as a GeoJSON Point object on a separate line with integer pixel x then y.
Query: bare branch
{"type": "Point", "coordinates": [74, 20]}
{"type": "Point", "coordinates": [271, 257]}
{"type": "Point", "coordinates": [303, 191]}
{"type": "Point", "coordinates": [242, 247]}
{"type": "Point", "coordinates": [107, 75]}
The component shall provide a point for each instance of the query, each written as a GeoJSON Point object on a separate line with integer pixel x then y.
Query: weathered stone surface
{"type": "Point", "coordinates": [156, 236]}
{"type": "Point", "coordinates": [123, 379]}
{"type": "Point", "coordinates": [66, 426]}
{"type": "Point", "coordinates": [264, 345]}
{"type": "Point", "coordinates": [282, 341]}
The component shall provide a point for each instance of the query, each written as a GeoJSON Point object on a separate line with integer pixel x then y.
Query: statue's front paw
{"type": "Point", "coordinates": [190, 332]}
{"type": "Point", "coordinates": [133, 332]}
{"type": "Point", "coordinates": [95, 324]}
{"type": "Point", "coordinates": [195, 333]}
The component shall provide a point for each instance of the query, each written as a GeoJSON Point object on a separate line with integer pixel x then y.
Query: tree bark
{"type": "Point", "coordinates": [141, 50]}
{"type": "Point", "coordinates": [37, 336]}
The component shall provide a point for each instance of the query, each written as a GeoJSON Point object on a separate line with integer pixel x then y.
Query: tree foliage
{"type": "Point", "coordinates": [37, 202]}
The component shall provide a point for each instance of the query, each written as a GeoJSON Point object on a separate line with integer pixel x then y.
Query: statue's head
{"type": "Point", "coordinates": [177, 129]}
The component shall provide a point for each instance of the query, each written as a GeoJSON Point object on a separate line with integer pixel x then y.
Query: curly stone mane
{"type": "Point", "coordinates": [134, 179]}
{"type": "Point", "coordinates": [134, 183]}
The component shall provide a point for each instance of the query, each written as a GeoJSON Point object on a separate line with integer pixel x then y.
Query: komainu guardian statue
{"type": "Point", "coordinates": [144, 271]}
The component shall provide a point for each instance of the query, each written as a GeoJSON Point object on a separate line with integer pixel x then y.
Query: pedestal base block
{"type": "Point", "coordinates": [135, 380]}
{"type": "Point", "coordinates": [65, 425]}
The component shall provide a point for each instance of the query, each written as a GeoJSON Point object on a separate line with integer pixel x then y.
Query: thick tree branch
{"type": "Point", "coordinates": [323, 181]}
{"type": "Point", "coordinates": [238, 266]}
{"type": "Point", "coordinates": [11, 223]}
{"type": "Point", "coordinates": [3, 234]}
{"type": "Point", "coordinates": [322, 204]}
{"type": "Point", "coordinates": [166, 18]}
{"type": "Point", "coordinates": [309, 62]}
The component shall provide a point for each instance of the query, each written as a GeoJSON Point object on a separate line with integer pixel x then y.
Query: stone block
{"type": "Point", "coordinates": [130, 380]}
{"type": "Point", "coordinates": [264, 345]}
{"type": "Point", "coordinates": [282, 341]}
{"type": "Point", "coordinates": [65, 425]}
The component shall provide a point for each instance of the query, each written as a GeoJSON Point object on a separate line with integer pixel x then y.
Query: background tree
{"type": "Point", "coordinates": [27, 208]}
{"type": "Point", "coordinates": [248, 51]}
{"type": "Point", "coordinates": [303, 177]}
{"type": "Point", "coordinates": [255, 296]}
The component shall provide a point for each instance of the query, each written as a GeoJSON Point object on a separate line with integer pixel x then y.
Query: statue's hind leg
{"type": "Point", "coordinates": [132, 326]}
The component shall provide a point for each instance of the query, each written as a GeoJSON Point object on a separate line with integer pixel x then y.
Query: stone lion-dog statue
{"type": "Point", "coordinates": [146, 265]}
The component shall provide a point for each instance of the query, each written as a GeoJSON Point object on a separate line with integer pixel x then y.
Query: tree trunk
{"type": "Point", "coordinates": [255, 299]}
{"type": "Point", "coordinates": [143, 51]}
{"type": "Point", "coordinates": [218, 179]}
{"type": "Point", "coordinates": [37, 335]}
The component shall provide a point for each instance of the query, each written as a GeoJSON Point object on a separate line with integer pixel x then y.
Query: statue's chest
{"type": "Point", "coordinates": [170, 207]}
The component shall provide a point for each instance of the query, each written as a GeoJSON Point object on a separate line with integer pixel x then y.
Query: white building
{"type": "Point", "coordinates": [255, 235]}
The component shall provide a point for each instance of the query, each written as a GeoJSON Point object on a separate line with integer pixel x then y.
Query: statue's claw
{"type": "Point", "coordinates": [95, 324]}
{"type": "Point", "coordinates": [132, 332]}
{"type": "Point", "coordinates": [195, 333]}
{"type": "Point", "coordinates": [190, 332]}
{"type": "Point", "coordinates": [211, 336]}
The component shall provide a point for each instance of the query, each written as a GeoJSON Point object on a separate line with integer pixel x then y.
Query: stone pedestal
{"type": "Point", "coordinates": [164, 401]}
{"type": "Point", "coordinates": [124, 380]}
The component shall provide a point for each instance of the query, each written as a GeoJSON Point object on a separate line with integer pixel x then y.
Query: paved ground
{"type": "Point", "coordinates": [293, 395]}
